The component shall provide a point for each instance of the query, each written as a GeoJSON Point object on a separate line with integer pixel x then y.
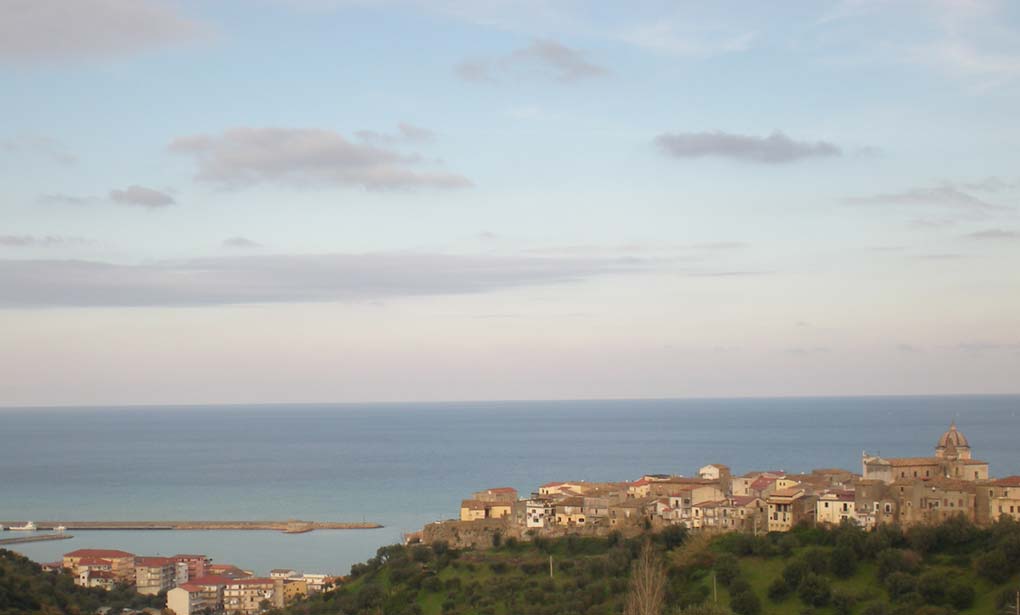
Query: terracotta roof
{"type": "Point", "coordinates": [501, 490]}
{"type": "Point", "coordinates": [789, 492]}
{"type": "Point", "coordinates": [744, 500]}
{"type": "Point", "coordinates": [105, 553]}
{"type": "Point", "coordinates": [641, 482]}
{"type": "Point", "coordinates": [762, 482]}
{"type": "Point", "coordinates": [189, 556]}
{"type": "Point", "coordinates": [1009, 481]}
{"type": "Point", "coordinates": [257, 581]}
{"type": "Point", "coordinates": [211, 579]}
{"type": "Point", "coordinates": [571, 501]}
{"type": "Point", "coordinates": [972, 462]}
{"type": "Point", "coordinates": [191, 587]}
{"type": "Point", "coordinates": [548, 485]}
{"type": "Point", "coordinates": [100, 574]}
{"type": "Point", "coordinates": [152, 562]}
{"type": "Point", "coordinates": [94, 561]}
{"type": "Point", "coordinates": [472, 504]}
{"type": "Point", "coordinates": [912, 461]}
{"type": "Point", "coordinates": [953, 438]}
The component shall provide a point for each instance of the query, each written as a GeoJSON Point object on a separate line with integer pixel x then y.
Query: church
{"type": "Point", "coordinates": [952, 460]}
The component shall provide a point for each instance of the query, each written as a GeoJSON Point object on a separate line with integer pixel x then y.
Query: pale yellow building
{"type": "Point", "coordinates": [1005, 498]}
{"type": "Point", "coordinates": [835, 507]}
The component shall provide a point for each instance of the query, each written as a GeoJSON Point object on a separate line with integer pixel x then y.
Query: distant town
{"type": "Point", "coordinates": [899, 490]}
{"type": "Point", "coordinates": [193, 583]}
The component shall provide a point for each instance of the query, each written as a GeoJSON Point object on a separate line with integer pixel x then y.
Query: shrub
{"type": "Point", "coordinates": [787, 544]}
{"type": "Point", "coordinates": [843, 561]}
{"type": "Point", "coordinates": [994, 566]}
{"type": "Point", "coordinates": [932, 587]}
{"type": "Point", "coordinates": [817, 560]}
{"type": "Point", "coordinates": [727, 568]}
{"type": "Point", "coordinates": [898, 584]}
{"type": "Point", "coordinates": [673, 536]}
{"type": "Point", "coordinates": [843, 602]}
{"type": "Point", "coordinates": [794, 572]}
{"type": "Point", "coordinates": [814, 590]}
{"type": "Point", "coordinates": [778, 590]}
{"type": "Point", "coordinates": [745, 603]}
{"type": "Point", "coordinates": [875, 608]}
{"type": "Point", "coordinates": [960, 595]}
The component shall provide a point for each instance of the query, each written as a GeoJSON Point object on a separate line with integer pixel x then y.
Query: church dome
{"type": "Point", "coordinates": [953, 438]}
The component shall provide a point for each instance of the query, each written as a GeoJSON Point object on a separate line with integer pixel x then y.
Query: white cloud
{"type": "Point", "coordinates": [141, 196]}
{"type": "Point", "coordinates": [544, 57]}
{"type": "Point", "coordinates": [775, 148]}
{"type": "Point", "coordinates": [242, 157]}
{"type": "Point", "coordinates": [52, 30]}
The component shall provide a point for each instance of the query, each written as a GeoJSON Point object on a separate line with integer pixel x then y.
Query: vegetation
{"type": "Point", "coordinates": [25, 588]}
{"type": "Point", "coordinates": [952, 568]}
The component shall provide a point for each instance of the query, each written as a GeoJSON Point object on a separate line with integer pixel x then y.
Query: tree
{"type": "Point", "coordinates": [727, 568]}
{"type": "Point", "coordinates": [794, 572]}
{"type": "Point", "coordinates": [814, 590]}
{"type": "Point", "coordinates": [843, 561]}
{"type": "Point", "coordinates": [960, 595]}
{"type": "Point", "coordinates": [745, 603]}
{"type": "Point", "coordinates": [647, 584]}
{"type": "Point", "coordinates": [778, 590]}
{"type": "Point", "coordinates": [994, 566]}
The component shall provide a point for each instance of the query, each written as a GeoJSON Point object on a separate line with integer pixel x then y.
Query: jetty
{"type": "Point", "coordinates": [291, 526]}
{"type": "Point", "coordinates": [35, 538]}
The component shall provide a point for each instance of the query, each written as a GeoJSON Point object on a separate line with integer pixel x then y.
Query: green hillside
{"type": "Point", "coordinates": [25, 588]}
{"type": "Point", "coordinates": [953, 568]}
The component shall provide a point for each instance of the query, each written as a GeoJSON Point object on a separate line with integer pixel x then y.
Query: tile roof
{"type": "Point", "coordinates": [501, 490]}
{"type": "Point", "coordinates": [744, 500]}
{"type": "Point", "coordinates": [94, 561]}
{"type": "Point", "coordinates": [152, 562]}
{"type": "Point", "coordinates": [912, 461]}
{"type": "Point", "coordinates": [1008, 481]}
{"type": "Point", "coordinates": [472, 504]}
{"type": "Point", "coordinates": [191, 587]}
{"type": "Point", "coordinates": [211, 579]}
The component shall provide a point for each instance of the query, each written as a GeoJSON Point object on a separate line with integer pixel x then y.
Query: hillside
{"type": "Point", "coordinates": [25, 588]}
{"type": "Point", "coordinates": [952, 568]}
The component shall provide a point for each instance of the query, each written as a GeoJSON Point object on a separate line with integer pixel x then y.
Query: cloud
{"type": "Point", "coordinates": [242, 157]}
{"type": "Point", "coordinates": [945, 195]}
{"type": "Point", "coordinates": [994, 234]}
{"type": "Point", "coordinates": [773, 149]}
{"type": "Point", "coordinates": [285, 278]}
{"type": "Point", "coordinates": [55, 30]}
{"type": "Point", "coordinates": [668, 36]}
{"type": "Point", "coordinates": [31, 241]}
{"type": "Point", "coordinates": [406, 133]}
{"type": "Point", "coordinates": [546, 57]}
{"type": "Point", "coordinates": [240, 242]}
{"type": "Point", "coordinates": [32, 145]}
{"type": "Point", "coordinates": [141, 196]}
{"type": "Point", "coordinates": [991, 184]}
{"type": "Point", "coordinates": [64, 199]}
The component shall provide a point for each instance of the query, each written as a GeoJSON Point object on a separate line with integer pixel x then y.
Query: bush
{"type": "Point", "coordinates": [672, 536]}
{"type": "Point", "coordinates": [899, 584]}
{"type": "Point", "coordinates": [814, 590]}
{"type": "Point", "coordinates": [932, 587]}
{"type": "Point", "coordinates": [843, 561]}
{"type": "Point", "coordinates": [794, 572]}
{"type": "Point", "coordinates": [994, 566]}
{"type": "Point", "coordinates": [960, 595]}
{"type": "Point", "coordinates": [875, 608]}
{"type": "Point", "coordinates": [787, 544]}
{"type": "Point", "coordinates": [817, 560]}
{"type": "Point", "coordinates": [778, 590]}
{"type": "Point", "coordinates": [843, 602]}
{"type": "Point", "coordinates": [727, 568]}
{"type": "Point", "coordinates": [745, 603]}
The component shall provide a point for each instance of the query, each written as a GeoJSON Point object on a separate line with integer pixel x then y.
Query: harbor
{"type": "Point", "coordinates": [34, 538]}
{"type": "Point", "coordinates": [292, 526]}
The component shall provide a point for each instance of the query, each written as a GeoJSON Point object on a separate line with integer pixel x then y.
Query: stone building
{"type": "Point", "coordinates": [952, 459]}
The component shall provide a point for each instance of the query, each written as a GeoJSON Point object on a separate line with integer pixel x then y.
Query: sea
{"type": "Point", "coordinates": [406, 465]}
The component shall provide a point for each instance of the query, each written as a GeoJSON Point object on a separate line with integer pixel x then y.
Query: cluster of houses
{"type": "Point", "coordinates": [193, 583]}
{"type": "Point", "coordinates": [905, 491]}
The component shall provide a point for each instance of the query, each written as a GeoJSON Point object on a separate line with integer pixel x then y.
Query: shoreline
{"type": "Point", "coordinates": [286, 527]}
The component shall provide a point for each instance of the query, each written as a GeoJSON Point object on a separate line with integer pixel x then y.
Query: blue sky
{"type": "Point", "coordinates": [329, 200]}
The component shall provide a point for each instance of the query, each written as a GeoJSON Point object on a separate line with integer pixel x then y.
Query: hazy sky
{"type": "Point", "coordinates": [346, 200]}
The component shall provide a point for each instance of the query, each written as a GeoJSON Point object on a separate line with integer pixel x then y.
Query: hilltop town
{"type": "Point", "coordinates": [889, 490]}
{"type": "Point", "coordinates": [193, 583]}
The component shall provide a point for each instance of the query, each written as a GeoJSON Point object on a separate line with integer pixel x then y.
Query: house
{"type": "Point", "coordinates": [537, 512]}
{"type": "Point", "coordinates": [248, 596]}
{"type": "Point", "coordinates": [874, 503]}
{"type": "Point", "coordinates": [475, 510]}
{"type": "Point", "coordinates": [317, 582]}
{"type": "Point", "coordinates": [189, 598]}
{"type": "Point", "coordinates": [629, 511]}
{"type": "Point", "coordinates": [1004, 497]}
{"type": "Point", "coordinates": [122, 563]}
{"type": "Point", "coordinates": [288, 591]}
{"type": "Point", "coordinates": [498, 494]}
{"type": "Point", "coordinates": [154, 574]}
{"type": "Point", "coordinates": [935, 500]}
{"type": "Point", "coordinates": [103, 579]}
{"type": "Point", "coordinates": [283, 573]}
{"type": "Point", "coordinates": [835, 506]}
{"type": "Point", "coordinates": [749, 511]}
{"type": "Point", "coordinates": [570, 511]}
{"type": "Point", "coordinates": [952, 460]}
{"type": "Point", "coordinates": [788, 507]}
{"type": "Point", "coordinates": [191, 566]}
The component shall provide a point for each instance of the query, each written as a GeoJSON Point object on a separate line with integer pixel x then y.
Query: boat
{"type": "Point", "coordinates": [60, 528]}
{"type": "Point", "coordinates": [28, 527]}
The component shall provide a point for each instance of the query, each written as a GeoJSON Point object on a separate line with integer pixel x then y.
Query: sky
{"type": "Point", "coordinates": [250, 201]}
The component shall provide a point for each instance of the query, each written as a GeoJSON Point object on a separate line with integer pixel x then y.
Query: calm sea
{"type": "Point", "coordinates": [404, 465]}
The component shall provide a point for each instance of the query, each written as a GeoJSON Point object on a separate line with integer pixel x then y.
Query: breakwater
{"type": "Point", "coordinates": [290, 526]}
{"type": "Point", "coordinates": [35, 538]}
